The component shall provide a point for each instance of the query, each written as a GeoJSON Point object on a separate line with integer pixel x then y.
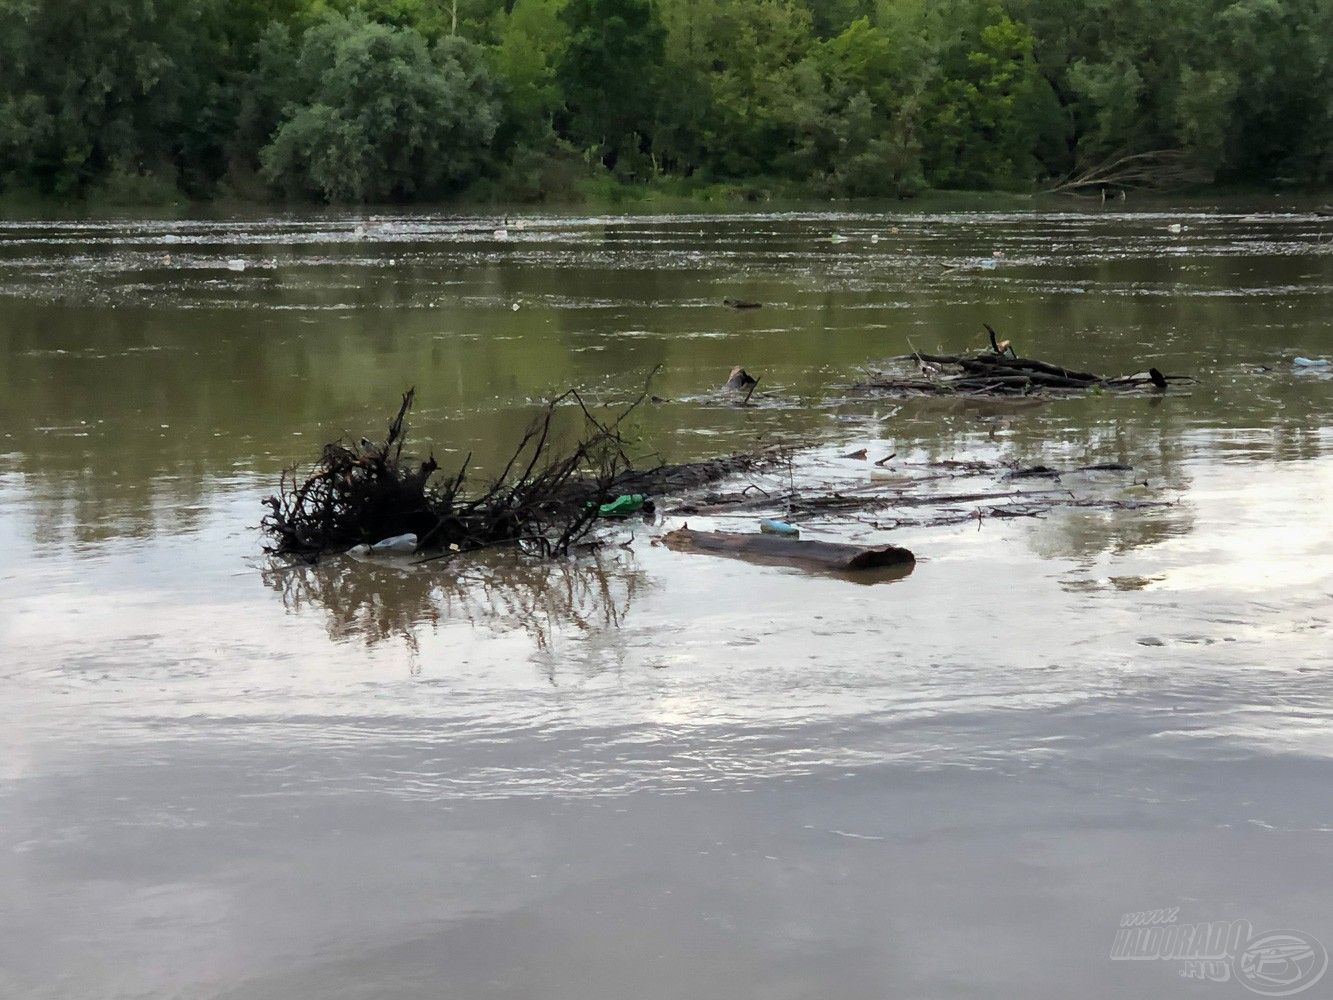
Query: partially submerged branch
{"type": "Point", "coordinates": [1001, 372]}
{"type": "Point", "coordinates": [545, 498]}
{"type": "Point", "coordinates": [1158, 170]}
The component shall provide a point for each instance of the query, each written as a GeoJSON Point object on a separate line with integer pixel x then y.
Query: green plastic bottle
{"type": "Point", "coordinates": [622, 506]}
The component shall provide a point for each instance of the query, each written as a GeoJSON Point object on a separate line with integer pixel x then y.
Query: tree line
{"type": "Point", "coordinates": [401, 100]}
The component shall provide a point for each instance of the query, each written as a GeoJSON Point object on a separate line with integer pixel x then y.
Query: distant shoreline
{"type": "Point", "coordinates": [651, 199]}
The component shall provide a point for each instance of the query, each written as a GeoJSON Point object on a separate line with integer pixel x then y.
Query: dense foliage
{"type": "Point", "coordinates": [394, 100]}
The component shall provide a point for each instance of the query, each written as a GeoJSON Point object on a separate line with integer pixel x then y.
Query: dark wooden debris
{"type": "Point", "coordinates": [941, 493]}
{"type": "Point", "coordinates": [1001, 372]}
{"type": "Point", "coordinates": [545, 498]}
{"type": "Point", "coordinates": [739, 378]}
{"type": "Point", "coordinates": [827, 556]}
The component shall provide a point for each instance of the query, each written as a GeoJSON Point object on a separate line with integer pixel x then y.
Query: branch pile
{"type": "Point", "coordinates": [545, 496]}
{"type": "Point", "coordinates": [1001, 372]}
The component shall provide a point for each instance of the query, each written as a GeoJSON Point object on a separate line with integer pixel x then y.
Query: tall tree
{"type": "Point", "coordinates": [376, 113]}
{"type": "Point", "coordinates": [127, 87]}
{"type": "Point", "coordinates": [980, 109]}
{"type": "Point", "coordinates": [609, 74]}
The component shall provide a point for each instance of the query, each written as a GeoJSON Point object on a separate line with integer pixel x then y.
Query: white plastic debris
{"type": "Point", "coordinates": [398, 545]}
{"type": "Point", "coordinates": [1310, 362]}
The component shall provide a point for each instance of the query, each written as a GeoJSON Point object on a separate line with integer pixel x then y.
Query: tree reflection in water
{"type": "Point", "coordinates": [380, 601]}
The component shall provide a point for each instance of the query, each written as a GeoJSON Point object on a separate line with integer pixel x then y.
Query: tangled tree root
{"type": "Point", "coordinates": [545, 498]}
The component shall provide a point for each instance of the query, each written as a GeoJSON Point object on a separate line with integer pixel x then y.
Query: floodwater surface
{"type": "Point", "coordinates": [645, 773]}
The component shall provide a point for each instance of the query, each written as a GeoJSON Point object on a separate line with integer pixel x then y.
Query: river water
{"type": "Point", "coordinates": [646, 773]}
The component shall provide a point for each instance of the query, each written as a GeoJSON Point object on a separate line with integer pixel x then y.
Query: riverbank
{"type": "Point", "coordinates": [607, 193]}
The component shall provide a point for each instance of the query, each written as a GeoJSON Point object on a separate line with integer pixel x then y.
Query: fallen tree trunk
{"type": "Point", "coordinates": [827, 556]}
{"type": "Point", "coordinates": [1158, 169]}
{"type": "Point", "coordinates": [1012, 364]}
{"type": "Point", "coordinates": [686, 476]}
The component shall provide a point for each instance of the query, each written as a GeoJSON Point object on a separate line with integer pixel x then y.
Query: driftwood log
{"type": "Point", "coordinates": [827, 556]}
{"type": "Point", "coordinates": [665, 480]}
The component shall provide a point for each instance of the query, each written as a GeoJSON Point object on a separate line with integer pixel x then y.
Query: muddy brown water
{"type": "Point", "coordinates": [649, 773]}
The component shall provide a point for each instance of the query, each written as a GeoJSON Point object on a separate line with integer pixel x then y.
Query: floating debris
{"type": "Point", "coordinates": [400, 545]}
{"type": "Point", "coordinates": [739, 378]}
{"type": "Point", "coordinates": [933, 494]}
{"type": "Point", "coordinates": [625, 505]}
{"type": "Point", "coordinates": [1001, 372]}
{"type": "Point", "coordinates": [366, 492]}
{"type": "Point", "coordinates": [546, 499]}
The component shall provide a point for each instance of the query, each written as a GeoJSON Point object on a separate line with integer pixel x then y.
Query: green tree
{"type": "Point", "coordinates": [734, 71]}
{"type": "Point", "coordinates": [830, 18]}
{"type": "Point", "coordinates": [1275, 61]}
{"type": "Point", "coordinates": [981, 108]}
{"type": "Point", "coordinates": [127, 87]}
{"type": "Point", "coordinates": [371, 99]}
{"type": "Point", "coordinates": [531, 42]}
{"type": "Point", "coordinates": [857, 118]}
{"type": "Point", "coordinates": [609, 74]}
{"type": "Point", "coordinates": [375, 113]}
